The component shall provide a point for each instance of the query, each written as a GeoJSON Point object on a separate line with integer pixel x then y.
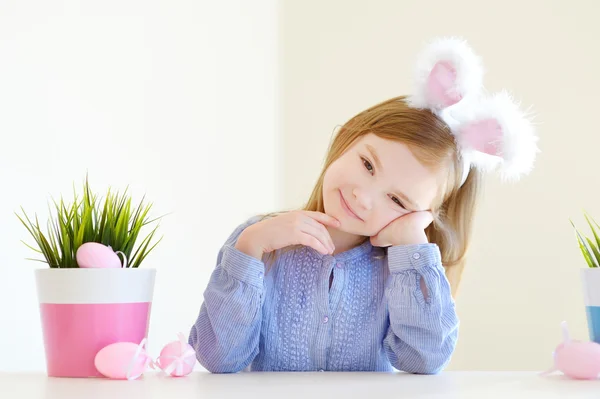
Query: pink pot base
{"type": "Point", "coordinates": [74, 333]}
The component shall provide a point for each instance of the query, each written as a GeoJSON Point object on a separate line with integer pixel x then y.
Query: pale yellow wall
{"type": "Point", "coordinates": [522, 279]}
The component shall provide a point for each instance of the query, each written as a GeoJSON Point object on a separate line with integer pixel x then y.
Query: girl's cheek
{"type": "Point", "coordinates": [389, 217]}
{"type": "Point", "coordinates": [383, 220]}
{"type": "Point", "coordinates": [403, 212]}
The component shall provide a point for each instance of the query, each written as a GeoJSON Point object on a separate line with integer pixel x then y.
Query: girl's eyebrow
{"type": "Point", "coordinates": [399, 193]}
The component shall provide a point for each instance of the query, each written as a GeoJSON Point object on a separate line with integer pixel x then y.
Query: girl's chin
{"type": "Point", "coordinates": [347, 227]}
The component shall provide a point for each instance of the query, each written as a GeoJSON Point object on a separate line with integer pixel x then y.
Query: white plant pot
{"type": "Point", "coordinates": [83, 310]}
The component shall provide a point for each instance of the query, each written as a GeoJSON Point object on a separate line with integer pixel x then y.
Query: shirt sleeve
{"type": "Point", "coordinates": [226, 333]}
{"type": "Point", "coordinates": [423, 327]}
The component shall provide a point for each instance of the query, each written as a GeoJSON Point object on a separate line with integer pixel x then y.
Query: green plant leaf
{"type": "Point", "coordinates": [112, 222]}
{"type": "Point", "coordinates": [32, 248]}
{"type": "Point", "coordinates": [584, 250]}
{"type": "Point", "coordinates": [594, 250]}
{"type": "Point", "coordinates": [596, 236]}
{"type": "Point", "coordinates": [37, 260]}
{"type": "Point", "coordinates": [143, 251]}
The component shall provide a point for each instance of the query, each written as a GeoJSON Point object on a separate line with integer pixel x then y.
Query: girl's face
{"type": "Point", "coordinates": [375, 182]}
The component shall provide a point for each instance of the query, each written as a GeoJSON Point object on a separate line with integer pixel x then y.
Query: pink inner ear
{"type": "Point", "coordinates": [441, 85]}
{"type": "Point", "coordinates": [484, 136]}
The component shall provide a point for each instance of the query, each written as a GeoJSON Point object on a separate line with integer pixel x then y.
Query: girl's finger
{"type": "Point", "coordinates": [323, 218]}
{"type": "Point", "coordinates": [320, 227]}
{"type": "Point", "coordinates": [310, 241]}
{"type": "Point", "coordinates": [320, 233]}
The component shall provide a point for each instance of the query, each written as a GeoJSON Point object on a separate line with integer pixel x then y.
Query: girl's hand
{"type": "Point", "coordinates": [405, 230]}
{"type": "Point", "coordinates": [291, 228]}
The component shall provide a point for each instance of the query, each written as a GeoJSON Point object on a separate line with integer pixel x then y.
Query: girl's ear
{"type": "Point", "coordinates": [447, 71]}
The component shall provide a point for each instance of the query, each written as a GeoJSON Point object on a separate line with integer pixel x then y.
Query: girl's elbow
{"type": "Point", "coordinates": [216, 366]}
{"type": "Point", "coordinates": [221, 368]}
{"type": "Point", "coordinates": [424, 366]}
{"type": "Point", "coordinates": [423, 360]}
{"type": "Point", "coordinates": [431, 367]}
{"type": "Point", "coordinates": [222, 362]}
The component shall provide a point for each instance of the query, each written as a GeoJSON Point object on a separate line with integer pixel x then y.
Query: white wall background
{"type": "Point", "coordinates": [185, 99]}
{"type": "Point", "coordinates": [176, 99]}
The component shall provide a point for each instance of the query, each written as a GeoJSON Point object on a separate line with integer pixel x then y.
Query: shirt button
{"type": "Point", "coordinates": [325, 319]}
{"type": "Point", "coordinates": [340, 265]}
{"type": "Point", "coordinates": [260, 274]}
{"type": "Point", "coordinates": [416, 255]}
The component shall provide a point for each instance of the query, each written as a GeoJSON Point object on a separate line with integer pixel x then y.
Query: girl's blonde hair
{"type": "Point", "coordinates": [433, 144]}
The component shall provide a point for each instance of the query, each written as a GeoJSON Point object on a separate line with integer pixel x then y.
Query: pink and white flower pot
{"type": "Point", "coordinates": [84, 310]}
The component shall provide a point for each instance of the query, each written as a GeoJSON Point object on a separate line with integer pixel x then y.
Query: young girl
{"type": "Point", "coordinates": [362, 278]}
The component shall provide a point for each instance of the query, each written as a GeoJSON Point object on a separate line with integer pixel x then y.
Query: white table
{"type": "Point", "coordinates": [201, 385]}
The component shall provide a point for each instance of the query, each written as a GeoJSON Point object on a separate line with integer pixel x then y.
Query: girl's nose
{"type": "Point", "coordinates": [363, 199]}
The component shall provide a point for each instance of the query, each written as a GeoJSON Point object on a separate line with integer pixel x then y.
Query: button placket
{"type": "Point", "coordinates": [331, 265]}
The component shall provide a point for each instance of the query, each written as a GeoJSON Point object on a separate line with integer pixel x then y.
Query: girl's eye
{"type": "Point", "coordinates": [397, 201]}
{"type": "Point", "coordinates": [368, 165]}
{"type": "Point", "coordinates": [369, 168]}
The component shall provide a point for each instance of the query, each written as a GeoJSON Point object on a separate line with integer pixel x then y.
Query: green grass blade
{"type": "Point", "coordinates": [142, 257]}
{"type": "Point", "coordinates": [584, 250]}
{"type": "Point", "coordinates": [596, 236]}
{"type": "Point", "coordinates": [32, 248]}
{"type": "Point", "coordinates": [143, 250]}
{"type": "Point", "coordinates": [37, 260]}
{"type": "Point", "coordinates": [594, 250]}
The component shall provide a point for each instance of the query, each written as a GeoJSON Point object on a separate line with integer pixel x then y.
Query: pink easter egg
{"type": "Point", "coordinates": [177, 358]}
{"type": "Point", "coordinates": [580, 360]}
{"type": "Point", "coordinates": [115, 360]}
{"type": "Point", "coordinates": [97, 255]}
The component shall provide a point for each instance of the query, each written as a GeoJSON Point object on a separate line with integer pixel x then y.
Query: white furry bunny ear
{"type": "Point", "coordinates": [495, 132]}
{"type": "Point", "coordinates": [447, 71]}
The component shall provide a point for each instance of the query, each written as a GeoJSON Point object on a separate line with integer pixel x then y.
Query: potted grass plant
{"type": "Point", "coordinates": [88, 299]}
{"type": "Point", "coordinates": [590, 276]}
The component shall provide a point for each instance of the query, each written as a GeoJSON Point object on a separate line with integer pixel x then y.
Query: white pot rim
{"type": "Point", "coordinates": [90, 269]}
{"type": "Point", "coordinates": [590, 278]}
{"type": "Point", "coordinates": [95, 286]}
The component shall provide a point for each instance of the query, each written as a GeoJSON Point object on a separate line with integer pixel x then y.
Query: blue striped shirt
{"type": "Point", "coordinates": [374, 317]}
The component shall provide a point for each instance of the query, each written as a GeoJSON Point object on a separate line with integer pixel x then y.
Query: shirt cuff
{"type": "Point", "coordinates": [403, 257]}
{"type": "Point", "coordinates": [243, 267]}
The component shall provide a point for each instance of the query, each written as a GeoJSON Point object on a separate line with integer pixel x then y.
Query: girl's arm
{"type": "Point", "coordinates": [423, 322]}
{"type": "Point", "coordinates": [226, 333]}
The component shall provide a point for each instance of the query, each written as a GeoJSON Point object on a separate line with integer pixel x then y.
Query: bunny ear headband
{"type": "Point", "coordinates": [491, 131]}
